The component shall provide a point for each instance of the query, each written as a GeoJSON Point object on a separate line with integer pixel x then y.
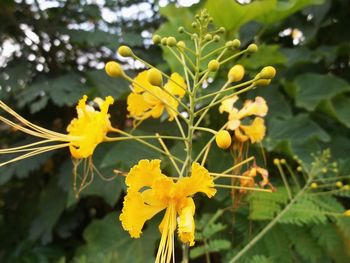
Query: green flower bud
{"type": "Point", "coordinates": [163, 41]}
{"type": "Point", "coordinates": [194, 36]}
{"type": "Point", "coordinates": [314, 186]}
{"type": "Point", "coordinates": [194, 25]}
{"type": "Point", "coordinates": [171, 41]}
{"type": "Point", "coordinates": [216, 38]}
{"type": "Point", "coordinates": [236, 43]}
{"type": "Point", "coordinates": [125, 51]}
{"type": "Point", "coordinates": [208, 37]}
{"type": "Point", "coordinates": [181, 29]}
{"type": "Point", "coordinates": [222, 30]}
{"type": "Point", "coordinates": [113, 69]}
{"type": "Point", "coordinates": [181, 45]}
{"type": "Point", "coordinates": [213, 65]}
{"type": "Point", "coordinates": [156, 39]}
{"type": "Point", "coordinates": [154, 77]}
{"type": "Point", "coordinates": [252, 48]}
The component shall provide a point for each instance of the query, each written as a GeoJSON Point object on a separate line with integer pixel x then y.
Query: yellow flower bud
{"type": "Point", "coordinates": [346, 187]}
{"type": "Point", "coordinates": [347, 212]}
{"type": "Point", "coordinates": [252, 48]}
{"type": "Point", "coordinates": [125, 51]}
{"type": "Point", "coordinates": [163, 41]}
{"type": "Point", "coordinates": [156, 39]}
{"type": "Point", "coordinates": [154, 77]}
{"type": "Point", "coordinates": [223, 139]}
{"type": "Point", "coordinates": [261, 82]}
{"type": "Point", "coordinates": [283, 161]}
{"type": "Point", "coordinates": [236, 43]}
{"type": "Point", "coordinates": [268, 72]}
{"type": "Point", "coordinates": [113, 69]}
{"type": "Point", "coordinates": [181, 45]}
{"type": "Point", "coordinates": [299, 169]}
{"type": "Point", "coordinates": [229, 44]}
{"type": "Point", "coordinates": [213, 65]}
{"type": "Point", "coordinates": [222, 30]}
{"type": "Point", "coordinates": [181, 29]}
{"type": "Point", "coordinates": [314, 186]}
{"type": "Point", "coordinates": [339, 184]}
{"type": "Point", "coordinates": [236, 73]}
{"type": "Point", "coordinates": [276, 161]}
{"type": "Point", "coordinates": [194, 25]}
{"type": "Point", "coordinates": [171, 41]}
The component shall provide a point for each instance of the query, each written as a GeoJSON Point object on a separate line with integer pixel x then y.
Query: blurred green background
{"type": "Point", "coordinates": [52, 52]}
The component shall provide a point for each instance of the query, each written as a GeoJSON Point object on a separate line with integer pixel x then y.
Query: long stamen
{"type": "Point", "coordinates": [243, 188]}
{"type": "Point", "coordinates": [36, 152]}
{"type": "Point", "coordinates": [25, 148]}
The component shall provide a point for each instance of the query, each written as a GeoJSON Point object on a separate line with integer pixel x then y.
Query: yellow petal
{"type": "Point", "coordinates": [141, 82]}
{"type": "Point", "coordinates": [137, 106]}
{"type": "Point", "coordinates": [240, 136]}
{"type": "Point", "coordinates": [199, 181]}
{"type": "Point", "coordinates": [135, 213]}
{"type": "Point", "coordinates": [255, 131]}
{"type": "Point", "coordinates": [143, 174]}
{"type": "Point", "coordinates": [186, 222]}
{"type": "Point", "coordinates": [227, 105]}
{"type": "Point", "coordinates": [176, 85]}
{"type": "Point", "coordinates": [89, 128]}
{"type": "Point", "coordinates": [257, 108]}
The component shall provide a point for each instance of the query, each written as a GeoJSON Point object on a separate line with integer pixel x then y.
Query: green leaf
{"type": "Point", "coordinates": [232, 15]}
{"type": "Point", "coordinates": [95, 38]}
{"type": "Point", "coordinates": [314, 88]}
{"type": "Point", "coordinates": [105, 239]}
{"type": "Point", "coordinates": [215, 245]}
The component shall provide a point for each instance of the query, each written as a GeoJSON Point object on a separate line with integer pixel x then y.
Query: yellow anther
{"type": "Point", "coordinates": [125, 51]}
{"type": "Point", "coordinates": [213, 65]}
{"type": "Point", "coordinates": [223, 139]}
{"type": "Point", "coordinates": [113, 69]}
{"type": "Point", "coordinates": [236, 73]}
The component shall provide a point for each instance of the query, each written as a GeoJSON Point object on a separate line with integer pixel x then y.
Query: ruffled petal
{"type": "Point", "coordinates": [227, 105]}
{"type": "Point", "coordinates": [137, 106]}
{"type": "Point", "coordinates": [141, 82]}
{"type": "Point", "coordinates": [143, 174]}
{"type": "Point", "coordinates": [256, 131]}
{"type": "Point", "coordinates": [176, 85]}
{"type": "Point", "coordinates": [199, 181]}
{"type": "Point", "coordinates": [257, 108]}
{"type": "Point", "coordinates": [135, 213]}
{"type": "Point", "coordinates": [185, 221]}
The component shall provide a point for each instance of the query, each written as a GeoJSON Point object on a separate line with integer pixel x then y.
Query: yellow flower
{"type": "Point", "coordinates": [148, 101]}
{"type": "Point", "coordinates": [254, 132]}
{"type": "Point", "coordinates": [150, 191]}
{"type": "Point", "coordinates": [84, 132]}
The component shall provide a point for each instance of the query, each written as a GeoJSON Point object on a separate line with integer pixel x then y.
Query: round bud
{"type": "Point", "coordinates": [181, 29]}
{"type": "Point", "coordinates": [208, 37]}
{"type": "Point", "coordinates": [252, 48]}
{"type": "Point", "coordinates": [236, 73]}
{"type": "Point", "coordinates": [154, 76]}
{"type": "Point", "coordinates": [276, 161]}
{"type": "Point", "coordinates": [347, 212]}
{"type": "Point", "coordinates": [262, 82]}
{"type": "Point", "coordinates": [156, 39]}
{"type": "Point", "coordinates": [163, 41]}
{"type": "Point", "coordinates": [113, 69]}
{"type": "Point", "coordinates": [268, 72]}
{"type": "Point", "coordinates": [194, 36]}
{"type": "Point", "coordinates": [314, 186]}
{"type": "Point", "coordinates": [197, 16]}
{"type": "Point", "coordinates": [346, 187]}
{"type": "Point", "coordinates": [236, 43]}
{"type": "Point", "coordinates": [229, 44]}
{"type": "Point", "coordinates": [216, 38]}
{"type": "Point", "coordinates": [223, 139]}
{"type": "Point", "coordinates": [171, 41]}
{"type": "Point", "coordinates": [194, 24]}
{"type": "Point", "coordinates": [181, 45]}
{"type": "Point", "coordinates": [210, 20]}
{"type": "Point", "coordinates": [299, 169]}
{"type": "Point", "coordinates": [222, 30]}
{"type": "Point", "coordinates": [283, 161]}
{"type": "Point", "coordinates": [324, 170]}
{"type": "Point", "coordinates": [125, 51]}
{"type": "Point", "coordinates": [213, 65]}
{"type": "Point", "coordinates": [339, 184]}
